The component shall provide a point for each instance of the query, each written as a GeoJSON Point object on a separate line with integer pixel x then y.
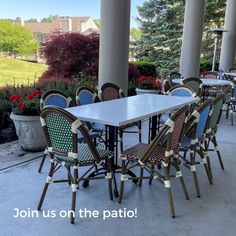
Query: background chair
{"type": "Point", "coordinates": [209, 75]}
{"type": "Point", "coordinates": [162, 150]}
{"type": "Point", "coordinates": [61, 129]}
{"type": "Point", "coordinates": [111, 91]}
{"type": "Point", "coordinates": [195, 84]}
{"type": "Point", "coordinates": [174, 75]}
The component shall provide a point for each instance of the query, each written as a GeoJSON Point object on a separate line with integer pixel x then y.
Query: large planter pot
{"type": "Point", "coordinates": [143, 91]}
{"type": "Point", "coordinates": [29, 131]}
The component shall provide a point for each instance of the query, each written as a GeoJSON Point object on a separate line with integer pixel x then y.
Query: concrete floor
{"type": "Point", "coordinates": [214, 214]}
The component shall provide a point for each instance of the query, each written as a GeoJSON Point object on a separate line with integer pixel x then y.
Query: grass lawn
{"type": "Point", "coordinates": [19, 72]}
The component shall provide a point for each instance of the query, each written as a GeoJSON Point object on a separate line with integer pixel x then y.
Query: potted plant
{"type": "Point", "coordinates": [25, 116]}
{"type": "Point", "coordinates": [148, 84]}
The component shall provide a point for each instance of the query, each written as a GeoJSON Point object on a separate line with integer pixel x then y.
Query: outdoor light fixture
{"type": "Point", "coordinates": [217, 34]}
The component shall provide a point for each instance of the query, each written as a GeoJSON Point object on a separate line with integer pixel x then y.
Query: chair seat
{"type": "Point", "coordinates": [137, 151]}
{"type": "Point", "coordinates": [85, 156]}
{"type": "Point", "coordinates": [92, 135]}
{"type": "Point", "coordinates": [186, 142]}
{"type": "Point", "coordinates": [98, 127]}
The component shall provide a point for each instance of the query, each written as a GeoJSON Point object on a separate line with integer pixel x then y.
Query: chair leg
{"type": "Point", "coordinates": [109, 170]}
{"type": "Point", "coordinates": [141, 177]}
{"type": "Point", "coordinates": [42, 161]}
{"type": "Point", "coordinates": [218, 152]}
{"type": "Point", "coordinates": [123, 172]}
{"type": "Point", "coordinates": [180, 176]}
{"type": "Point", "coordinates": [204, 157]}
{"type": "Point", "coordinates": [206, 147]}
{"type": "Point", "coordinates": [193, 169]}
{"type": "Point", "coordinates": [168, 189]}
{"type": "Point", "coordinates": [48, 181]}
{"type": "Point", "coordinates": [151, 177]}
{"type": "Point", "coordinates": [74, 186]}
{"type": "Point", "coordinates": [140, 131]}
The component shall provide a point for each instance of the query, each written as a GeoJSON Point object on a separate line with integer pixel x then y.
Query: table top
{"type": "Point", "coordinates": [230, 73]}
{"type": "Point", "coordinates": [124, 111]}
{"type": "Point", "coordinates": [208, 82]}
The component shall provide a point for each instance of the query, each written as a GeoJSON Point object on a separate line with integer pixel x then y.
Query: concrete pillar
{"type": "Point", "coordinates": [228, 48]}
{"type": "Point", "coordinates": [192, 38]}
{"type": "Point", "coordinates": [114, 43]}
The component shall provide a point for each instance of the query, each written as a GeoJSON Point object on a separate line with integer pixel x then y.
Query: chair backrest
{"type": "Point", "coordinates": [56, 98]}
{"type": "Point", "coordinates": [181, 91]}
{"type": "Point", "coordinates": [216, 112]}
{"type": "Point", "coordinates": [174, 75]}
{"type": "Point", "coordinates": [166, 85]}
{"type": "Point", "coordinates": [86, 96]}
{"type": "Point", "coordinates": [60, 129]}
{"type": "Point", "coordinates": [209, 75]}
{"type": "Point", "coordinates": [197, 121]}
{"type": "Point", "coordinates": [233, 70]}
{"type": "Point", "coordinates": [169, 135]}
{"type": "Point", "coordinates": [195, 84]}
{"type": "Point", "coordinates": [110, 91]}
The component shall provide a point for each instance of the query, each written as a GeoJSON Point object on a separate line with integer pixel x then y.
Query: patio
{"type": "Point", "coordinates": [212, 214]}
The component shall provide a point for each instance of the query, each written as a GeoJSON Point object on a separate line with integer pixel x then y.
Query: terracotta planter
{"type": "Point", "coordinates": [30, 132]}
{"type": "Point", "coordinates": [143, 91]}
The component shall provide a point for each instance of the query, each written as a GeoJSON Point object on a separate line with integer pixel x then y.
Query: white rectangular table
{"type": "Point", "coordinates": [127, 110]}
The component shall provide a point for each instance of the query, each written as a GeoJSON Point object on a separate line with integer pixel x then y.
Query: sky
{"type": "Point", "coordinates": [39, 9]}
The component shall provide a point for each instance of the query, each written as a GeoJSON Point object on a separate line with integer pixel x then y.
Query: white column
{"type": "Point", "coordinates": [192, 38]}
{"type": "Point", "coordinates": [114, 43]}
{"type": "Point", "coordinates": [228, 48]}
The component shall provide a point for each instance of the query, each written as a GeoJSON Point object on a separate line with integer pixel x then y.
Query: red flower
{"type": "Point", "coordinates": [14, 97]}
{"type": "Point", "coordinates": [36, 92]}
{"type": "Point", "coordinates": [30, 96]}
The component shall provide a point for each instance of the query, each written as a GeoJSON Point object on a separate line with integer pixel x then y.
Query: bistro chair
{"type": "Point", "coordinates": [195, 84]}
{"type": "Point", "coordinates": [59, 99]}
{"type": "Point", "coordinates": [230, 103]}
{"type": "Point", "coordinates": [166, 85]}
{"type": "Point", "coordinates": [60, 128]}
{"type": "Point", "coordinates": [174, 75]}
{"type": "Point", "coordinates": [111, 91]}
{"type": "Point", "coordinates": [177, 90]}
{"type": "Point", "coordinates": [209, 91]}
{"type": "Point", "coordinates": [212, 127]}
{"type": "Point", "coordinates": [163, 150]}
{"type": "Point", "coordinates": [56, 98]}
{"type": "Point", "coordinates": [86, 96]}
{"type": "Point", "coordinates": [192, 141]}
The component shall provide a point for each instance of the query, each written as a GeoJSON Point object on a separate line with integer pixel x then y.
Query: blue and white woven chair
{"type": "Point", "coordinates": [193, 141]}
{"type": "Point", "coordinates": [61, 128]}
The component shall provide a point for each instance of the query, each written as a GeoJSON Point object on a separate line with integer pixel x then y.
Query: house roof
{"type": "Point", "coordinates": [48, 27]}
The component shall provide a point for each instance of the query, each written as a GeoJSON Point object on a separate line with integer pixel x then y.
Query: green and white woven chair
{"type": "Point", "coordinates": [212, 127]}
{"type": "Point", "coordinates": [60, 128]}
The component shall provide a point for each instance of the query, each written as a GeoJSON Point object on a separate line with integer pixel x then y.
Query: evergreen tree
{"type": "Point", "coordinates": [161, 23]}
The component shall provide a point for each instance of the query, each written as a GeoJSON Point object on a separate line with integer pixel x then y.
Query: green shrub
{"type": "Point", "coordinates": [146, 68]}
{"type": "Point", "coordinates": [207, 66]}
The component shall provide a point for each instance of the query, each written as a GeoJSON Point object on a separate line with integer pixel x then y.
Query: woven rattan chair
{"type": "Point", "coordinates": [209, 75]}
{"type": "Point", "coordinates": [56, 98]}
{"type": "Point", "coordinates": [111, 91]}
{"type": "Point", "coordinates": [174, 75]}
{"type": "Point", "coordinates": [212, 127]}
{"type": "Point", "coordinates": [86, 96]}
{"type": "Point", "coordinates": [195, 84]}
{"type": "Point", "coordinates": [193, 139]}
{"type": "Point", "coordinates": [59, 99]}
{"type": "Point", "coordinates": [163, 150]}
{"type": "Point", "coordinates": [60, 128]}
{"type": "Point", "coordinates": [231, 102]}
{"type": "Point", "coordinates": [177, 90]}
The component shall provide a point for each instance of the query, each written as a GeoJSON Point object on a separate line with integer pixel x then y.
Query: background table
{"type": "Point", "coordinates": [208, 82]}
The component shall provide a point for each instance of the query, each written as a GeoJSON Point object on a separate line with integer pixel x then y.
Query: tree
{"type": "Point", "coordinates": [50, 18]}
{"type": "Point", "coordinates": [135, 34]}
{"type": "Point", "coordinates": [97, 22]}
{"type": "Point", "coordinates": [16, 39]}
{"type": "Point", "coordinates": [70, 54]}
{"type": "Point", "coordinates": [161, 25]}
